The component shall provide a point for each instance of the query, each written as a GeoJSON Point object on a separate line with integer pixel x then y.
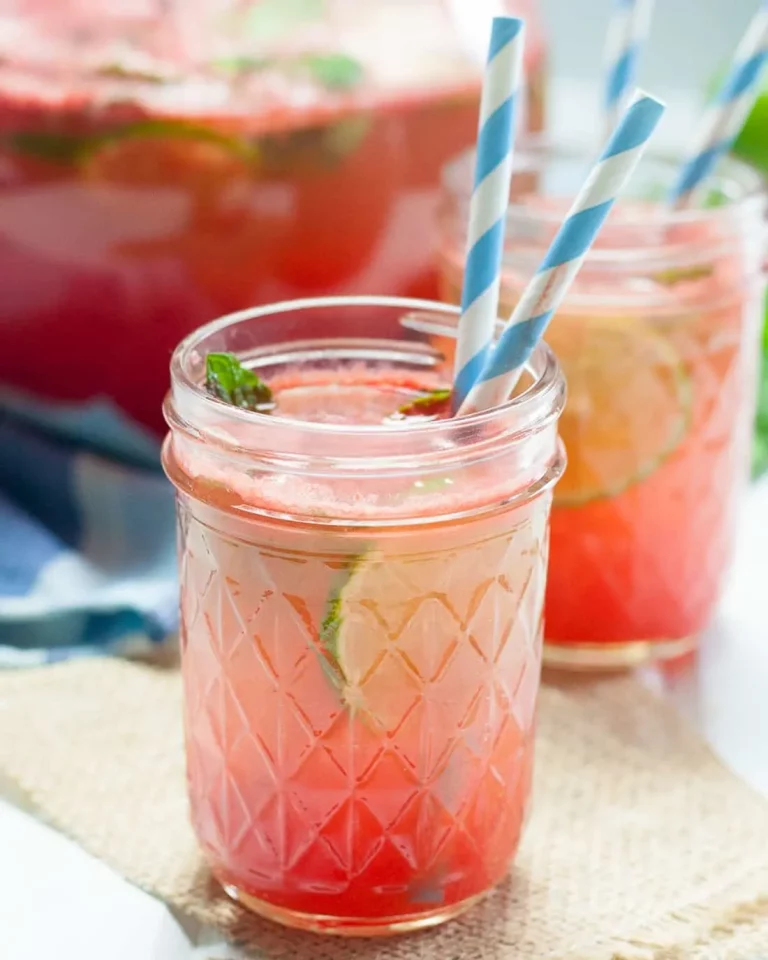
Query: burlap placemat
{"type": "Point", "coordinates": [642, 845]}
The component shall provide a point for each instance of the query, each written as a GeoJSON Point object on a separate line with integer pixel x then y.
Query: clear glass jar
{"type": "Point", "coordinates": [361, 610]}
{"type": "Point", "coordinates": [163, 163]}
{"type": "Point", "coordinates": [658, 343]}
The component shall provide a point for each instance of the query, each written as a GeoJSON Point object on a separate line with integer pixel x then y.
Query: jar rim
{"type": "Point", "coordinates": [188, 404]}
{"type": "Point", "coordinates": [645, 246]}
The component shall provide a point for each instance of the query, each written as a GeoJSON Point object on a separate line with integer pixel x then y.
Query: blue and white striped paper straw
{"type": "Point", "coordinates": [490, 199]}
{"type": "Point", "coordinates": [549, 284]}
{"type": "Point", "coordinates": [725, 117]}
{"type": "Point", "coordinates": [627, 32]}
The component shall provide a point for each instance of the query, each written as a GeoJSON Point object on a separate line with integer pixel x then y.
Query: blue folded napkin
{"type": "Point", "coordinates": [87, 533]}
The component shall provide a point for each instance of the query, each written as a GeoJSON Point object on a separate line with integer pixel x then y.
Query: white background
{"type": "Point", "coordinates": [688, 39]}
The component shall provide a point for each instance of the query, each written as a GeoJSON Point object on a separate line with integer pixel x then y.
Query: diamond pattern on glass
{"type": "Point", "coordinates": [410, 785]}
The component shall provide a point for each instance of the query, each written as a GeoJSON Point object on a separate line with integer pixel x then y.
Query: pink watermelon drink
{"type": "Point", "coordinates": [361, 594]}
{"type": "Point", "coordinates": [658, 341]}
{"type": "Point", "coordinates": [142, 195]}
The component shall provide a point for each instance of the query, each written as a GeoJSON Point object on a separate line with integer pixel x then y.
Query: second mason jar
{"type": "Point", "coordinates": [658, 343]}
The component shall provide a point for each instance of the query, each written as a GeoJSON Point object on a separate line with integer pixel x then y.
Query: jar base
{"type": "Point", "coordinates": [350, 926]}
{"type": "Point", "coordinates": [614, 656]}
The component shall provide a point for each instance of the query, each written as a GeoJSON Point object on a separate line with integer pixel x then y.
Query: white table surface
{"type": "Point", "coordinates": [58, 902]}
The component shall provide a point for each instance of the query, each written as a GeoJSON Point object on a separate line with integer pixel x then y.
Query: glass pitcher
{"type": "Point", "coordinates": [163, 163]}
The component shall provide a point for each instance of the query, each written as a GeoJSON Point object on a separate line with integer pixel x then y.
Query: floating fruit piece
{"type": "Point", "coordinates": [194, 159]}
{"type": "Point", "coordinates": [432, 404]}
{"type": "Point", "coordinates": [629, 404]}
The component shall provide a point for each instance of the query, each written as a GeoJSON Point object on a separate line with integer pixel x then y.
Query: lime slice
{"type": "Point", "coordinates": [158, 152]}
{"type": "Point", "coordinates": [115, 154]}
{"type": "Point", "coordinates": [629, 404]}
{"type": "Point", "coordinates": [334, 628]}
{"type": "Point", "coordinates": [370, 621]}
{"type": "Point", "coordinates": [429, 405]}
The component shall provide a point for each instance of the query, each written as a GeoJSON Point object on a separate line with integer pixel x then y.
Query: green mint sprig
{"type": "Point", "coordinates": [229, 381]}
{"type": "Point", "coordinates": [334, 71]}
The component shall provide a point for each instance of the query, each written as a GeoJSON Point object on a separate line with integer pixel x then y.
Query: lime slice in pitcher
{"type": "Point", "coordinates": [629, 404]}
{"type": "Point", "coordinates": [156, 153]}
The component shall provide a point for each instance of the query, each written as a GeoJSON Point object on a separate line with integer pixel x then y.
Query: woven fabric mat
{"type": "Point", "coordinates": [642, 846]}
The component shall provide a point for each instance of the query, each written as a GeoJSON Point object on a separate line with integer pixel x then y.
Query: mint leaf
{"type": "Point", "coordinates": [229, 381]}
{"type": "Point", "coordinates": [335, 71]}
{"type": "Point", "coordinates": [432, 403]}
{"type": "Point", "coordinates": [268, 20]}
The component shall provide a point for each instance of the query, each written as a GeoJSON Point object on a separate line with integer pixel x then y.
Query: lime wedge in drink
{"type": "Point", "coordinates": [333, 623]}
{"type": "Point", "coordinates": [629, 404]}
{"type": "Point", "coordinates": [380, 634]}
{"type": "Point", "coordinates": [351, 633]}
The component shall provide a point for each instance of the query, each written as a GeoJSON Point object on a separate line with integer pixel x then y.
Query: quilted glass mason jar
{"type": "Point", "coordinates": [361, 609]}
